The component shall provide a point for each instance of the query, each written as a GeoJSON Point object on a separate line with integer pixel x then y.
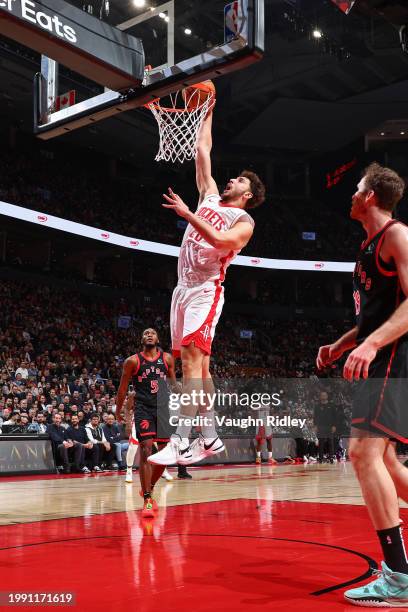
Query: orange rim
{"type": "Point", "coordinates": [156, 103]}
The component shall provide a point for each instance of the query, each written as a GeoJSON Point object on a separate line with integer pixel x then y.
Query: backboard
{"type": "Point", "coordinates": [184, 41]}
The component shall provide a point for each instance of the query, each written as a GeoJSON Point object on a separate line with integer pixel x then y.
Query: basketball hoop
{"type": "Point", "coordinates": [179, 121]}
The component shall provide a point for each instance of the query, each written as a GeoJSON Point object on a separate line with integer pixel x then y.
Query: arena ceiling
{"type": "Point", "coordinates": [308, 94]}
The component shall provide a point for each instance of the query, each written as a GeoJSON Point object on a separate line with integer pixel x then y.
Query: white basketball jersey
{"type": "Point", "coordinates": [199, 262]}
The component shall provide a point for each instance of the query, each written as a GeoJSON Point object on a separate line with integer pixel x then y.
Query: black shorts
{"type": "Point", "coordinates": [151, 423]}
{"type": "Point", "coordinates": [380, 403]}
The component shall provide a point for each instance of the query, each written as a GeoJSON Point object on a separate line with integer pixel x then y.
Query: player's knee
{"type": "Point", "coordinates": [363, 451]}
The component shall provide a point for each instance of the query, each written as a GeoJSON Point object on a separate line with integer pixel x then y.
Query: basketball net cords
{"type": "Point", "coordinates": [179, 127]}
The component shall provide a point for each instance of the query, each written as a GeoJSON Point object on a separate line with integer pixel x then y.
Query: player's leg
{"type": "Point", "coordinates": [145, 474]}
{"type": "Point", "coordinates": [194, 317]}
{"type": "Point", "coordinates": [271, 460]}
{"type": "Point", "coordinates": [397, 471]}
{"type": "Point", "coordinates": [145, 469]}
{"type": "Point", "coordinates": [260, 440]}
{"type": "Point", "coordinates": [131, 454]}
{"type": "Point", "coordinates": [367, 454]}
{"type": "Point", "coordinates": [178, 449]}
{"type": "Point", "coordinates": [208, 443]}
{"type": "Point", "coordinates": [182, 473]}
{"type": "Point", "coordinates": [203, 310]}
{"type": "Point", "coordinates": [170, 453]}
{"type": "Point", "coordinates": [208, 428]}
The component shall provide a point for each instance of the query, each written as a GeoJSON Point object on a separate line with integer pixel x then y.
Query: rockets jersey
{"type": "Point", "coordinates": [149, 381]}
{"type": "Point", "coordinates": [376, 288]}
{"type": "Point", "coordinates": [199, 262]}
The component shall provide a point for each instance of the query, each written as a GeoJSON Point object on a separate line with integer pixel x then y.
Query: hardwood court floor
{"type": "Point", "coordinates": [236, 538]}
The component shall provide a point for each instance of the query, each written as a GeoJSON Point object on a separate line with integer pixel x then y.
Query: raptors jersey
{"type": "Point", "coordinates": [377, 291]}
{"type": "Point", "coordinates": [149, 381]}
{"type": "Point", "coordinates": [199, 262]}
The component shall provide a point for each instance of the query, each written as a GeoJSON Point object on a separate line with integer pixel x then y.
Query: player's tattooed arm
{"type": "Point", "coordinates": [233, 239]}
{"type": "Point", "coordinates": [171, 375]}
{"type": "Point", "coordinates": [129, 367]}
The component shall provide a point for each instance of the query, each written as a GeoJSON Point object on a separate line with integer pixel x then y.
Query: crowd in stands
{"type": "Point", "coordinates": [65, 188]}
{"type": "Point", "coordinates": [61, 356]}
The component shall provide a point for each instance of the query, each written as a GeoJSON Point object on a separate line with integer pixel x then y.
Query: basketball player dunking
{"type": "Point", "coordinates": [149, 370]}
{"type": "Point", "coordinates": [380, 364]}
{"type": "Point", "coordinates": [215, 234]}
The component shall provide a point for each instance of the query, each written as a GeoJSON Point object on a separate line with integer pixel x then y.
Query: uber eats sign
{"type": "Point", "coordinates": [46, 20]}
{"type": "Point", "coordinates": [76, 39]}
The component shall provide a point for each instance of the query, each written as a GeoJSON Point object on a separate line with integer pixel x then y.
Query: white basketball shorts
{"type": "Point", "coordinates": [194, 315]}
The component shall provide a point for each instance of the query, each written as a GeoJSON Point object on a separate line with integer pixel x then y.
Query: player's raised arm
{"type": "Point", "coordinates": [129, 367]}
{"type": "Point", "coordinates": [206, 185]}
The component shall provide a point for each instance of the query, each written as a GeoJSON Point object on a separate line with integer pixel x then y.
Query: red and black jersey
{"type": "Point", "coordinates": [149, 380]}
{"type": "Point", "coordinates": [376, 287]}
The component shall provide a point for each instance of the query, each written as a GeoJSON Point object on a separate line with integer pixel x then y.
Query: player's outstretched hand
{"type": "Point", "coordinates": [176, 203]}
{"type": "Point", "coordinates": [327, 355]}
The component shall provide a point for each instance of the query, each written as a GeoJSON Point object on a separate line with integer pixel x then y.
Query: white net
{"type": "Point", "coordinates": [179, 123]}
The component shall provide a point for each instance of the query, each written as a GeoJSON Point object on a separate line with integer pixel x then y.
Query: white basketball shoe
{"type": "Point", "coordinates": [202, 448]}
{"type": "Point", "coordinates": [175, 451]}
{"type": "Point", "coordinates": [167, 476]}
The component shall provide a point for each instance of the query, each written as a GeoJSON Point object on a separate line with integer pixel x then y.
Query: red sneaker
{"type": "Point", "coordinates": [154, 502]}
{"type": "Point", "coordinates": [148, 511]}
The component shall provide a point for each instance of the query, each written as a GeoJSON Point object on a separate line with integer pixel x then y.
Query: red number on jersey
{"type": "Point", "coordinates": [154, 386]}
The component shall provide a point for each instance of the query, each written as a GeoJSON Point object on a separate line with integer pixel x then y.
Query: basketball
{"type": "Point", "coordinates": [196, 95]}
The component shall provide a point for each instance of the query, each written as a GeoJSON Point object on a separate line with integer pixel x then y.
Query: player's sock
{"type": "Point", "coordinates": [183, 441]}
{"type": "Point", "coordinates": [183, 430]}
{"type": "Point", "coordinates": [147, 495]}
{"type": "Point", "coordinates": [392, 544]}
{"type": "Point", "coordinates": [269, 454]}
{"type": "Point", "coordinates": [130, 455]}
{"type": "Point", "coordinates": [208, 427]}
{"type": "Point", "coordinates": [258, 453]}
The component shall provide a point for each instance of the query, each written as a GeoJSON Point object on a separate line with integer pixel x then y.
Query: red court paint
{"type": "Point", "coordinates": [229, 555]}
